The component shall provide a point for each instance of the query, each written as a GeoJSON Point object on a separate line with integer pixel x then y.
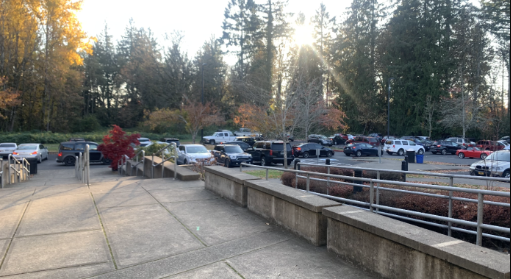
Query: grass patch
{"type": "Point", "coordinates": [52, 147]}
{"type": "Point", "coordinates": [262, 173]}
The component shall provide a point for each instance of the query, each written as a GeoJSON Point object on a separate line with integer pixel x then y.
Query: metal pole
{"type": "Point", "coordinates": [449, 230]}
{"type": "Point", "coordinates": [388, 111]}
{"type": "Point", "coordinates": [378, 190]}
{"type": "Point", "coordinates": [308, 183]}
{"type": "Point", "coordinates": [480, 210]}
{"type": "Point", "coordinates": [328, 180]}
{"type": "Point", "coordinates": [266, 174]}
{"type": "Point", "coordinates": [88, 163]}
{"type": "Point", "coordinates": [152, 167]}
{"type": "Point", "coordinates": [371, 195]}
{"type": "Point", "coordinates": [143, 163]}
{"type": "Point", "coordinates": [9, 168]}
{"type": "Point", "coordinates": [379, 152]}
{"type": "Point", "coordinates": [202, 99]}
{"type": "Point", "coordinates": [2, 172]}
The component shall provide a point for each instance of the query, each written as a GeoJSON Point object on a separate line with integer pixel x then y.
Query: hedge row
{"type": "Point", "coordinates": [50, 138]}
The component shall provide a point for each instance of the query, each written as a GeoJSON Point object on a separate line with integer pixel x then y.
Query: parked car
{"type": "Point", "coordinates": [170, 140]}
{"type": "Point", "coordinates": [193, 153]}
{"type": "Point", "coordinates": [7, 148]}
{"type": "Point", "coordinates": [362, 139]}
{"type": "Point", "coordinates": [410, 138]}
{"type": "Point", "coordinates": [338, 139]}
{"type": "Point", "coordinates": [375, 135]}
{"type": "Point", "coordinates": [473, 152]}
{"type": "Point", "coordinates": [505, 143]}
{"type": "Point", "coordinates": [268, 152]}
{"type": "Point", "coordinates": [320, 139]}
{"type": "Point", "coordinates": [69, 150]}
{"type": "Point", "coordinates": [505, 138]}
{"type": "Point", "coordinates": [497, 164]}
{"type": "Point", "coordinates": [400, 147]}
{"type": "Point", "coordinates": [426, 143]}
{"type": "Point", "coordinates": [289, 137]}
{"type": "Point", "coordinates": [218, 137]}
{"type": "Point", "coordinates": [29, 151]}
{"type": "Point", "coordinates": [490, 145]}
{"type": "Point", "coordinates": [231, 155]}
{"type": "Point", "coordinates": [462, 141]}
{"type": "Point", "coordinates": [245, 132]}
{"type": "Point", "coordinates": [443, 147]}
{"type": "Point", "coordinates": [248, 140]}
{"type": "Point", "coordinates": [307, 150]}
{"type": "Point", "coordinates": [243, 145]}
{"type": "Point", "coordinates": [361, 149]}
{"type": "Point", "coordinates": [145, 142]}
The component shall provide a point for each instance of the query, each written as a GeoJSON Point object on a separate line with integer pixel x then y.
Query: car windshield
{"type": "Point", "coordinates": [27, 147]}
{"type": "Point", "coordinates": [197, 149]}
{"type": "Point", "coordinates": [499, 156]}
{"type": "Point", "coordinates": [7, 145]}
{"type": "Point", "coordinates": [322, 137]}
{"type": "Point", "coordinates": [233, 149]}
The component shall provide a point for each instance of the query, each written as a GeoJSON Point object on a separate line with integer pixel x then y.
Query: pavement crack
{"type": "Point", "coordinates": [233, 269]}
{"type": "Point", "coordinates": [177, 219]}
{"type": "Point", "coordinates": [104, 231]}
{"type": "Point", "coordinates": [15, 232]}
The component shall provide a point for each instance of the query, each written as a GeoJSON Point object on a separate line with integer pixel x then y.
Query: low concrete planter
{"type": "Point", "coordinates": [396, 249]}
{"type": "Point", "coordinates": [183, 174]}
{"type": "Point", "coordinates": [228, 183]}
{"type": "Point", "coordinates": [296, 210]}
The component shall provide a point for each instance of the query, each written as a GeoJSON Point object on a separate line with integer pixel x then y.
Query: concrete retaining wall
{"type": "Point", "coordinates": [298, 211]}
{"type": "Point", "coordinates": [183, 174]}
{"type": "Point", "coordinates": [228, 183]}
{"type": "Point", "coordinates": [395, 249]}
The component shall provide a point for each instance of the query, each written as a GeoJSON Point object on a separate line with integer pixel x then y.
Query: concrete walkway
{"type": "Point", "coordinates": [54, 227]}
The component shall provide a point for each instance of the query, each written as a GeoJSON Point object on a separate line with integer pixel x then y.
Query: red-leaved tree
{"type": "Point", "coordinates": [117, 144]}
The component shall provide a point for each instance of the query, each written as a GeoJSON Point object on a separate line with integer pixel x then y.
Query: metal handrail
{"type": "Point", "coordinates": [163, 160]}
{"type": "Point", "coordinates": [23, 168]}
{"type": "Point", "coordinates": [122, 162]}
{"type": "Point", "coordinates": [375, 207]}
{"type": "Point", "coordinates": [138, 163]}
{"type": "Point", "coordinates": [502, 179]}
{"type": "Point", "coordinates": [82, 166]}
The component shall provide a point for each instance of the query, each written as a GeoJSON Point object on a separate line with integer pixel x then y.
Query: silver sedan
{"type": "Point", "coordinates": [31, 151]}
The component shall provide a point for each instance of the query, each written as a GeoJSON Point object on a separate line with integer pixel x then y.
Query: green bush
{"type": "Point", "coordinates": [87, 124]}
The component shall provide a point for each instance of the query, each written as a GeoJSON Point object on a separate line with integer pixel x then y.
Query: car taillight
{"type": "Point", "coordinates": [15, 153]}
{"type": "Point", "coordinates": [271, 152]}
{"type": "Point", "coordinates": [34, 153]}
{"type": "Point", "coordinates": [292, 152]}
{"type": "Point", "coordinates": [354, 147]}
{"type": "Point", "coordinates": [298, 148]}
{"type": "Point", "coordinates": [60, 154]}
{"type": "Point", "coordinates": [394, 146]}
{"type": "Point", "coordinates": [438, 146]}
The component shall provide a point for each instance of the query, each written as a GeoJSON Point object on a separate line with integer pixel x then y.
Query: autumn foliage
{"type": "Point", "coordinates": [117, 144]}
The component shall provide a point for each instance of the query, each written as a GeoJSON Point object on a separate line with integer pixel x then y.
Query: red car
{"type": "Point", "coordinates": [372, 141]}
{"type": "Point", "coordinates": [473, 152]}
{"type": "Point", "coordinates": [490, 145]}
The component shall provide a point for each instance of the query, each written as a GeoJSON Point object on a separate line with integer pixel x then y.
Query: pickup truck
{"type": "Point", "coordinates": [245, 132]}
{"type": "Point", "coordinates": [219, 137]}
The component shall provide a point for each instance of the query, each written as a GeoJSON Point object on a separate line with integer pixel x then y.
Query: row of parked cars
{"type": "Point", "coordinates": [30, 151]}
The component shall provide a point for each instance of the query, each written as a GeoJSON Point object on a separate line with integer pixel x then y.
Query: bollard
{"type": "Point", "coordinates": [404, 167]}
{"type": "Point", "coordinates": [296, 164]}
{"type": "Point", "coordinates": [357, 189]}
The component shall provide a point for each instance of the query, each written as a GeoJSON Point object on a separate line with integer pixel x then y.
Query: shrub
{"type": "Point", "coordinates": [118, 144]}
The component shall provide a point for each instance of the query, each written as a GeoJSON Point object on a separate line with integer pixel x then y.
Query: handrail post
{"type": "Point", "coordinates": [9, 168]}
{"type": "Point", "coordinates": [371, 195]}
{"type": "Point", "coordinates": [378, 191]}
{"type": "Point", "coordinates": [2, 172]}
{"type": "Point", "coordinates": [143, 163]}
{"type": "Point", "coordinates": [266, 174]}
{"type": "Point", "coordinates": [308, 183]}
{"type": "Point", "coordinates": [449, 231]}
{"type": "Point", "coordinates": [87, 163]}
{"type": "Point", "coordinates": [175, 160]}
{"type": "Point", "coordinates": [152, 167]}
{"type": "Point", "coordinates": [480, 210]}
{"type": "Point", "coordinates": [328, 181]}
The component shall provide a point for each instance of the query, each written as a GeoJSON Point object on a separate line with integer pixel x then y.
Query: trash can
{"type": "Point", "coordinates": [33, 165]}
{"type": "Point", "coordinates": [410, 156]}
{"type": "Point", "coordinates": [420, 158]}
{"type": "Point", "coordinates": [404, 167]}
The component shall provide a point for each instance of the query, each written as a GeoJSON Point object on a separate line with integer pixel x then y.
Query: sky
{"type": "Point", "coordinates": [198, 20]}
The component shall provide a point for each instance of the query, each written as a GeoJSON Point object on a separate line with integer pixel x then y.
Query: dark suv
{"type": "Point", "coordinates": [69, 150]}
{"type": "Point", "coordinates": [231, 155]}
{"type": "Point", "coordinates": [268, 152]}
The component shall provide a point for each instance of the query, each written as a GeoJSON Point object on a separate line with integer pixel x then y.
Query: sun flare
{"type": "Point", "coordinates": [303, 34]}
